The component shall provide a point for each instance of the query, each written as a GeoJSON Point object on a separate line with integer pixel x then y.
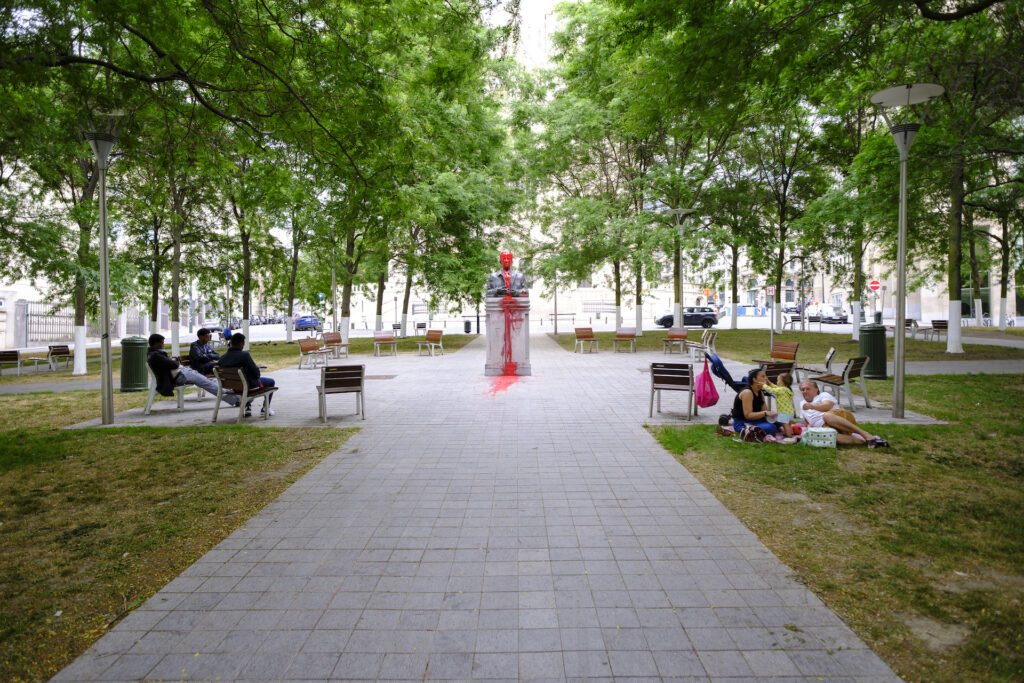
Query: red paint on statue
{"type": "Point", "coordinates": [513, 321]}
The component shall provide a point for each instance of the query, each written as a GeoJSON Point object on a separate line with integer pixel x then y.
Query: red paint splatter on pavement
{"type": "Point", "coordinates": [501, 383]}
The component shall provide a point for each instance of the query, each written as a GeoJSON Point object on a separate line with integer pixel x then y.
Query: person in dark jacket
{"type": "Point", "coordinates": [201, 356]}
{"type": "Point", "coordinates": [170, 373]}
{"type": "Point", "coordinates": [237, 357]}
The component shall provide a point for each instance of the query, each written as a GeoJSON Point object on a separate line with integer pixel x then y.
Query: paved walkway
{"type": "Point", "coordinates": [480, 530]}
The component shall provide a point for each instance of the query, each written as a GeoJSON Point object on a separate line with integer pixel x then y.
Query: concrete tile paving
{"type": "Point", "coordinates": [474, 532]}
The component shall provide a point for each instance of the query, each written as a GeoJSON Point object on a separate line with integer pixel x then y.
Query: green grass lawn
{"type": "Point", "coordinates": [275, 355]}
{"type": "Point", "coordinates": [95, 521]}
{"type": "Point", "coordinates": [746, 345]}
{"type": "Point", "coordinates": [919, 547]}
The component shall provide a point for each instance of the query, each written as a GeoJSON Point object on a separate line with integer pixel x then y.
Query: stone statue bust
{"type": "Point", "coordinates": [506, 282]}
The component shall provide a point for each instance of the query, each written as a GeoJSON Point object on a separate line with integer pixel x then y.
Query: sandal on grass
{"type": "Point", "coordinates": [878, 442]}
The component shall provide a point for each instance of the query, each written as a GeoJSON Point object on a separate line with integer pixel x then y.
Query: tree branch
{"type": "Point", "coordinates": [980, 6]}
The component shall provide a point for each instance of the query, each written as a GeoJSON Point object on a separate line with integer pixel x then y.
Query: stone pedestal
{"type": "Point", "coordinates": [508, 336]}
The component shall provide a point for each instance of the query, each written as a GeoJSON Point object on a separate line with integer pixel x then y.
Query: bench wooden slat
{"type": "Point", "coordinates": [585, 335]}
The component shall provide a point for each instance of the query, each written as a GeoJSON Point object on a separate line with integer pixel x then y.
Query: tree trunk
{"type": "Point", "coordinates": [154, 307]}
{"type": "Point", "coordinates": [382, 281]}
{"type": "Point", "coordinates": [176, 230]}
{"type": "Point", "coordinates": [858, 282]}
{"type": "Point", "coordinates": [953, 339]}
{"type": "Point", "coordinates": [735, 285]}
{"type": "Point", "coordinates": [289, 321]}
{"type": "Point", "coordinates": [405, 300]}
{"type": "Point", "coordinates": [245, 236]}
{"type": "Point", "coordinates": [639, 300]}
{"type": "Point", "coordinates": [1004, 268]}
{"type": "Point", "coordinates": [779, 272]}
{"type": "Point", "coordinates": [975, 271]}
{"type": "Point", "coordinates": [617, 269]}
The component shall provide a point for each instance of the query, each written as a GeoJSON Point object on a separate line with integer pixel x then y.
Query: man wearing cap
{"type": "Point", "coordinates": [170, 373]}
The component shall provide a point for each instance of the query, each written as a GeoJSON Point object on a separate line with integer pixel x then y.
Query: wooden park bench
{"type": "Point", "coordinates": [342, 379]}
{"type": "Point", "coordinates": [939, 327]}
{"type": "Point", "coordinates": [312, 354]}
{"type": "Point", "coordinates": [625, 335]}
{"type": "Point", "coordinates": [333, 342]}
{"type": "Point", "coordinates": [179, 390]}
{"type": "Point", "coordinates": [811, 319]}
{"type": "Point", "coordinates": [385, 339]}
{"type": "Point", "coordinates": [421, 326]}
{"type": "Point", "coordinates": [585, 335]}
{"type": "Point", "coordinates": [781, 351]}
{"type": "Point", "coordinates": [705, 345]}
{"type": "Point", "coordinates": [14, 357]}
{"type": "Point", "coordinates": [233, 380]}
{"type": "Point", "coordinates": [432, 339]}
{"type": "Point", "coordinates": [673, 377]}
{"type": "Point", "coordinates": [852, 371]}
{"type": "Point", "coordinates": [818, 369]}
{"type": "Point", "coordinates": [57, 353]}
{"type": "Point", "coordinates": [676, 337]}
{"type": "Point", "coordinates": [909, 325]}
{"type": "Point", "coordinates": [794, 322]}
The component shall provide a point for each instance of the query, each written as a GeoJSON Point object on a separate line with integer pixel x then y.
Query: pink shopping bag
{"type": "Point", "coordinates": [706, 393]}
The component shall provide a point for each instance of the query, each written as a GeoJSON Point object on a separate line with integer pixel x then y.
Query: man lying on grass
{"type": "Point", "coordinates": [170, 373]}
{"type": "Point", "coordinates": [817, 410]}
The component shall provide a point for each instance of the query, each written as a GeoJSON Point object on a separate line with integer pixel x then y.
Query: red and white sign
{"type": "Point", "coordinates": [770, 290]}
{"type": "Point", "coordinates": [875, 285]}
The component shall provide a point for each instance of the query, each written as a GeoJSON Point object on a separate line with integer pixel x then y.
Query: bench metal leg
{"type": "Point", "coordinates": [650, 412]}
{"type": "Point", "coordinates": [149, 401]}
{"type": "Point", "coordinates": [864, 390]}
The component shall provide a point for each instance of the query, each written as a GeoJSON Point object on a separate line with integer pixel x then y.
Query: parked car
{"type": "Point", "coordinates": [307, 322]}
{"type": "Point", "coordinates": [833, 315]}
{"type": "Point", "coordinates": [791, 308]}
{"type": "Point", "coordinates": [693, 316]}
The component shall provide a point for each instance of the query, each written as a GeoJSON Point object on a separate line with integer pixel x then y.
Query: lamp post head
{"type": "Point", "coordinates": [906, 96]}
{"type": "Point", "coordinates": [101, 144]}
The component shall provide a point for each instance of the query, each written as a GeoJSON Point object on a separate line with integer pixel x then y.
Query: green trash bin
{"type": "Point", "coordinates": [872, 345]}
{"type": "Point", "coordinates": [133, 364]}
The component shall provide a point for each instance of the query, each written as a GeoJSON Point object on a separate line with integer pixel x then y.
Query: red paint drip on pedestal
{"type": "Point", "coordinates": [513, 319]}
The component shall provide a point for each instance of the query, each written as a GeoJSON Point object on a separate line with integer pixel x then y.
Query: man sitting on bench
{"type": "Point", "coordinates": [201, 356]}
{"type": "Point", "coordinates": [237, 357]}
{"type": "Point", "coordinates": [170, 373]}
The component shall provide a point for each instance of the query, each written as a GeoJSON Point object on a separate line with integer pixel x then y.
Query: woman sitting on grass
{"type": "Point", "coordinates": [749, 406]}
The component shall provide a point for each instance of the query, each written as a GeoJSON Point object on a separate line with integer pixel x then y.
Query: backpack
{"type": "Point", "coordinates": [753, 434]}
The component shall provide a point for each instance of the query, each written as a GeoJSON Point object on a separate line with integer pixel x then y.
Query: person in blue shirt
{"type": "Point", "coordinates": [237, 357]}
{"type": "Point", "coordinates": [201, 356]}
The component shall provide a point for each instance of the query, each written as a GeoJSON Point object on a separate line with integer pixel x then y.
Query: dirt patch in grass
{"type": "Point", "coordinates": [918, 547]}
{"type": "Point", "coordinates": [96, 521]}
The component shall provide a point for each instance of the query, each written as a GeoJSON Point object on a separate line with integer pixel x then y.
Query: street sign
{"type": "Point", "coordinates": [875, 285]}
{"type": "Point", "coordinates": [770, 290]}
{"type": "Point", "coordinates": [707, 292]}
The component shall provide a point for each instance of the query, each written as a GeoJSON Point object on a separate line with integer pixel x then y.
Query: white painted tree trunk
{"type": "Point", "coordinates": [289, 323]}
{"type": "Point", "coordinates": [640, 321]}
{"type": "Point", "coordinates": [953, 337]}
{"type": "Point", "coordinates": [378, 323]}
{"type": "Point", "coordinates": [978, 313]}
{"type": "Point", "coordinates": [856, 321]}
{"type": "Point", "coordinates": [733, 315]}
{"type": "Point", "coordinates": [122, 325]}
{"type": "Point", "coordinates": [79, 367]}
{"type": "Point", "coordinates": [1002, 314]}
{"type": "Point", "coordinates": [344, 323]}
{"type": "Point", "coordinates": [405, 324]}
{"type": "Point", "coordinates": [154, 326]}
{"type": "Point", "coordinates": [175, 339]}
{"type": "Point", "coordinates": [618, 317]}
{"type": "Point", "coordinates": [245, 331]}
{"type": "Point", "coordinates": [677, 315]}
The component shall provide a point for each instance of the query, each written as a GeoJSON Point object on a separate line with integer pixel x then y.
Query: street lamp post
{"type": "Point", "coordinates": [101, 144]}
{"type": "Point", "coordinates": [677, 316]}
{"type": "Point", "coordinates": [903, 134]}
